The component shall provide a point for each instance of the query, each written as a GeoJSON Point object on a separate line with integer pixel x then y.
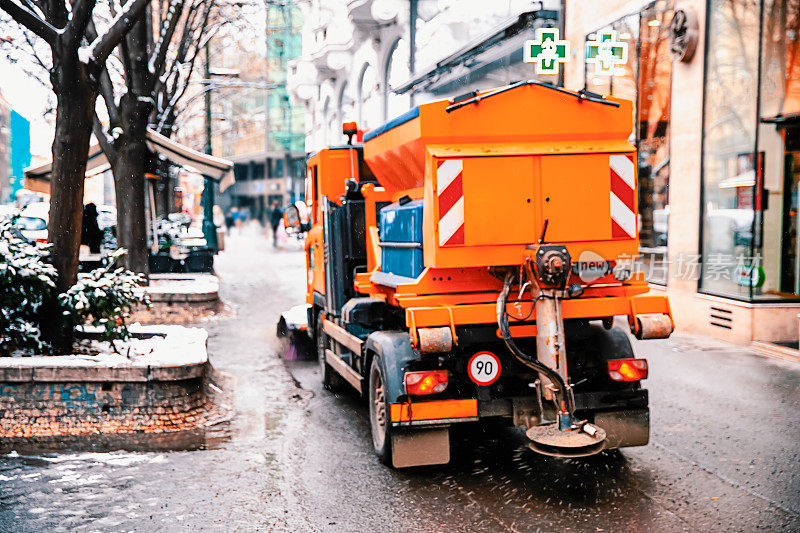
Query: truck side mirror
{"type": "Point", "coordinates": [295, 218]}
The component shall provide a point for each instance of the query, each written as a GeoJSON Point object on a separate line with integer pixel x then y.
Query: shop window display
{"type": "Point", "coordinates": [778, 179]}
{"type": "Point", "coordinates": [729, 165]}
{"type": "Point", "coordinates": [751, 160]}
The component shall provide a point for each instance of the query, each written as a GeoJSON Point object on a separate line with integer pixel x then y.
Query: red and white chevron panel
{"type": "Point", "coordinates": [450, 191]}
{"type": "Point", "coordinates": [623, 197]}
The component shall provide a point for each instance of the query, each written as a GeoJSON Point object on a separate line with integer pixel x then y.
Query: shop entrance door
{"type": "Point", "coordinates": [790, 252]}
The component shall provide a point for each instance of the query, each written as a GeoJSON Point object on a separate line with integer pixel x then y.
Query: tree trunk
{"type": "Point", "coordinates": [74, 113]}
{"type": "Point", "coordinates": [76, 96]}
{"type": "Point", "coordinates": [129, 167]}
{"type": "Point", "coordinates": [129, 185]}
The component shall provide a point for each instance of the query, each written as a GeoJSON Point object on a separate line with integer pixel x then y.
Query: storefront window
{"type": "Point", "coordinates": [396, 73]}
{"type": "Point", "coordinates": [729, 166]}
{"type": "Point", "coordinates": [623, 83]}
{"type": "Point", "coordinates": [347, 104]}
{"type": "Point", "coordinates": [777, 177]}
{"type": "Point", "coordinates": [369, 99]}
{"type": "Point", "coordinates": [646, 80]}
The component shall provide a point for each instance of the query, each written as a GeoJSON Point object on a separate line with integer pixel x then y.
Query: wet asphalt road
{"type": "Point", "coordinates": [724, 454]}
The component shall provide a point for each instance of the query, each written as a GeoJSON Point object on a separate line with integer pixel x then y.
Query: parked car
{"type": "Point", "coordinates": [32, 221]}
{"type": "Point", "coordinates": [106, 216]}
{"type": "Point", "coordinates": [8, 211]}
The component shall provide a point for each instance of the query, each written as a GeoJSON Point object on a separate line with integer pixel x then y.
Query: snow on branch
{"type": "Point", "coordinates": [101, 47]}
{"type": "Point", "coordinates": [79, 18]}
{"type": "Point", "coordinates": [31, 20]}
{"type": "Point", "coordinates": [159, 56]}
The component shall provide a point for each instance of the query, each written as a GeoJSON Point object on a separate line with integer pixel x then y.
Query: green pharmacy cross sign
{"type": "Point", "coordinates": [547, 51]}
{"type": "Point", "coordinates": [606, 52]}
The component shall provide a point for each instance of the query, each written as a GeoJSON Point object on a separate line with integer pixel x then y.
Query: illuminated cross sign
{"type": "Point", "coordinates": [547, 51]}
{"type": "Point", "coordinates": [606, 52]}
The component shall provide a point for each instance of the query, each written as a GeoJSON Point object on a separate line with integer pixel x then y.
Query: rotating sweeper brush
{"type": "Point", "coordinates": [547, 274]}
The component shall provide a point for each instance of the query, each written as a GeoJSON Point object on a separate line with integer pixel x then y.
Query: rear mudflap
{"type": "Point", "coordinates": [625, 428]}
{"type": "Point", "coordinates": [420, 447]}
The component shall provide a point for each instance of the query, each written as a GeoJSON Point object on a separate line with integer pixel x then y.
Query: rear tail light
{"type": "Point", "coordinates": [41, 241]}
{"type": "Point", "coordinates": [426, 382]}
{"type": "Point", "coordinates": [627, 369]}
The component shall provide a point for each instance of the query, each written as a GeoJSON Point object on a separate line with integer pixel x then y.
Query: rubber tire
{"type": "Point", "coordinates": [330, 379]}
{"type": "Point", "coordinates": [381, 436]}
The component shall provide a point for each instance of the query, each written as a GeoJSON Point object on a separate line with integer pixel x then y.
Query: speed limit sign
{"type": "Point", "coordinates": [484, 368]}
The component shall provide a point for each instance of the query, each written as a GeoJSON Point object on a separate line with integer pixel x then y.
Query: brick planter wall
{"type": "Point", "coordinates": [174, 301]}
{"type": "Point", "coordinates": [48, 397]}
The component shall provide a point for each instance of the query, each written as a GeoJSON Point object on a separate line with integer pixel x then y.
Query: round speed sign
{"type": "Point", "coordinates": [484, 368]}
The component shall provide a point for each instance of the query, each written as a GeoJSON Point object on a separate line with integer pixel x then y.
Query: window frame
{"type": "Point", "coordinates": [757, 224]}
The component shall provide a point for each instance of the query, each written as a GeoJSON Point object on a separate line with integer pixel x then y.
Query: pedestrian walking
{"type": "Point", "coordinates": [229, 219]}
{"type": "Point", "coordinates": [275, 217]}
{"type": "Point", "coordinates": [91, 234]}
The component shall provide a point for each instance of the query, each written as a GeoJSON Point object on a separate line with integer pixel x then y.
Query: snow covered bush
{"type": "Point", "coordinates": [105, 298]}
{"type": "Point", "coordinates": [27, 280]}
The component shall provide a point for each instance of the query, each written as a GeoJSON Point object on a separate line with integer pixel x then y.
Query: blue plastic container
{"type": "Point", "coordinates": [402, 224]}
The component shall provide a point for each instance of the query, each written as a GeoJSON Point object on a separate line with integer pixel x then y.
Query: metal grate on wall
{"type": "Point", "coordinates": [721, 317]}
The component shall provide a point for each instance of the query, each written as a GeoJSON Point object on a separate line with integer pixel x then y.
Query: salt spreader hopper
{"type": "Point", "coordinates": [467, 262]}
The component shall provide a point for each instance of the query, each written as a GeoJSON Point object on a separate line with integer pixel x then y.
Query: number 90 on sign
{"type": "Point", "coordinates": [484, 368]}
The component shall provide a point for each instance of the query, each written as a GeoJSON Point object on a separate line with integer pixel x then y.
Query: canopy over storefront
{"type": "Point", "coordinates": [220, 170]}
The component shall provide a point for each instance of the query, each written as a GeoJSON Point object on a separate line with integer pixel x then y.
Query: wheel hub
{"type": "Point", "coordinates": [378, 411]}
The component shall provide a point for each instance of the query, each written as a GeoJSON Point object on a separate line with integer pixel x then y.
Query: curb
{"type": "Point", "coordinates": [776, 350]}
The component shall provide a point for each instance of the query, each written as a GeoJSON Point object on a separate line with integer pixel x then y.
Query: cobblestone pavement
{"type": "Point", "coordinates": [723, 455]}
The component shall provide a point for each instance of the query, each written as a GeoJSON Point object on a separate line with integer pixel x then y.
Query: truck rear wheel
{"type": "Point", "coordinates": [379, 413]}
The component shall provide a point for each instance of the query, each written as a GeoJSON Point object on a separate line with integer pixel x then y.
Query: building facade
{"type": "Point", "coordinates": [15, 150]}
{"type": "Point", "coordinates": [716, 130]}
{"type": "Point", "coordinates": [253, 122]}
{"type": "Point", "coordinates": [716, 124]}
{"type": "Point", "coordinates": [356, 60]}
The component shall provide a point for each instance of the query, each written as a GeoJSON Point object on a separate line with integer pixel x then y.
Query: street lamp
{"type": "Point", "coordinates": [207, 198]}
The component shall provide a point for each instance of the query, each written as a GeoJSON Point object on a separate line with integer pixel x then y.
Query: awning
{"type": "Point", "coordinates": [482, 50]}
{"type": "Point", "coordinates": [745, 179]}
{"type": "Point", "coordinates": [218, 169]}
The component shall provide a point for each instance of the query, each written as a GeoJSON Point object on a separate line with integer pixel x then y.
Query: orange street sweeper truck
{"type": "Point", "coordinates": [466, 262]}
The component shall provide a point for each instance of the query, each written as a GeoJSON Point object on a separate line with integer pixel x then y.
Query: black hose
{"type": "Point", "coordinates": [562, 396]}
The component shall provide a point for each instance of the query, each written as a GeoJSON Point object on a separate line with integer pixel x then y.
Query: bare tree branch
{"type": "Point", "coordinates": [106, 43]}
{"type": "Point", "coordinates": [55, 12]}
{"type": "Point", "coordinates": [162, 79]}
{"type": "Point", "coordinates": [105, 145]}
{"type": "Point", "coordinates": [158, 59]}
{"type": "Point", "coordinates": [106, 86]}
{"type": "Point", "coordinates": [34, 53]}
{"type": "Point", "coordinates": [171, 112]}
{"type": "Point", "coordinates": [35, 9]}
{"type": "Point", "coordinates": [81, 15]}
{"type": "Point", "coordinates": [30, 20]}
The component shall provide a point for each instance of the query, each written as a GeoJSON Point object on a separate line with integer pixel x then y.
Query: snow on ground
{"type": "Point", "coordinates": [182, 284]}
{"type": "Point", "coordinates": [168, 346]}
